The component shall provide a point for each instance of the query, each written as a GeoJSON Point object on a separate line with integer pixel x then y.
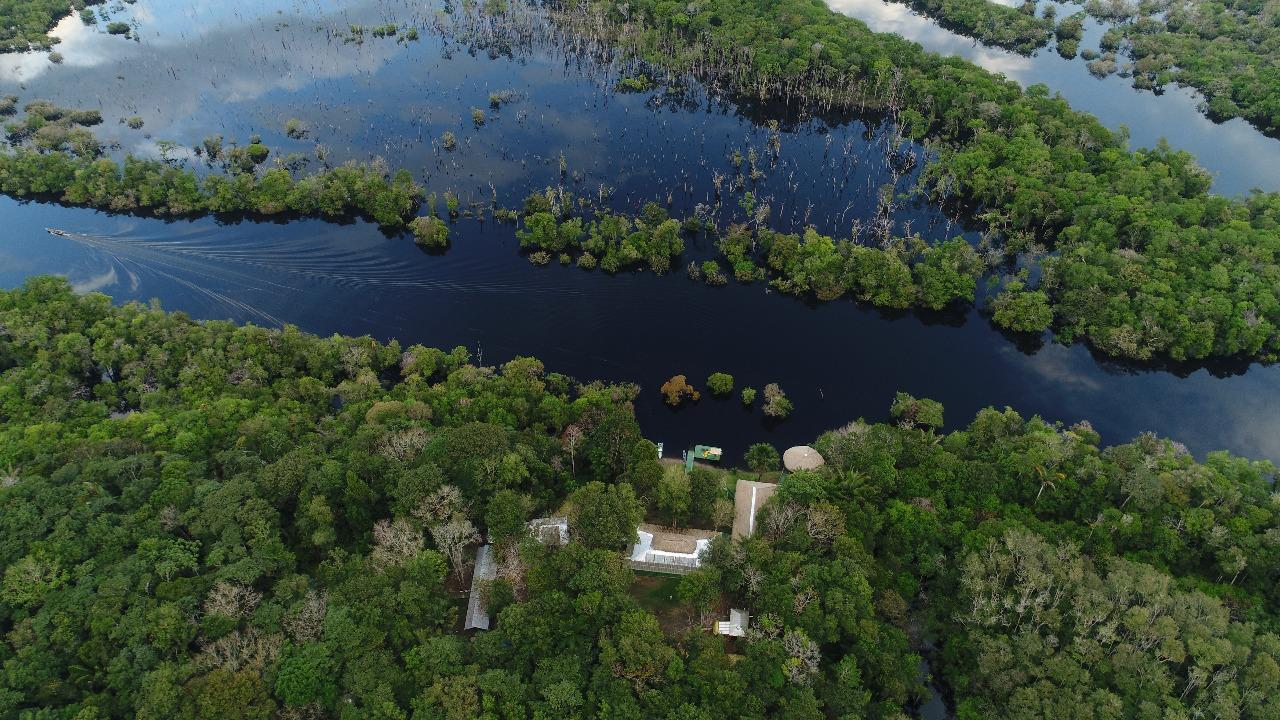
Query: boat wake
{"type": "Point", "coordinates": [228, 271]}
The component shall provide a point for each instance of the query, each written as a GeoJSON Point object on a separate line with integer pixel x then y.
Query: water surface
{"type": "Point", "coordinates": [236, 68]}
{"type": "Point", "coordinates": [838, 361]}
{"type": "Point", "coordinates": [1240, 157]}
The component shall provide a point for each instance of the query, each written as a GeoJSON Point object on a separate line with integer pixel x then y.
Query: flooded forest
{"type": "Point", "coordinates": [275, 275]}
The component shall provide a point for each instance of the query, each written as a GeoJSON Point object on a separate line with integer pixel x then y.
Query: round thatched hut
{"type": "Point", "coordinates": [801, 457]}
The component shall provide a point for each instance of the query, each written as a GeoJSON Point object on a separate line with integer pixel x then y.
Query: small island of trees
{"type": "Point", "coordinates": [676, 390]}
{"type": "Point", "coordinates": [24, 24]}
{"type": "Point", "coordinates": [58, 158]}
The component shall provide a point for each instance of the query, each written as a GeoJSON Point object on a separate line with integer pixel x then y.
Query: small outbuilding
{"type": "Point", "coordinates": [736, 626]}
{"type": "Point", "coordinates": [550, 531]}
{"type": "Point", "coordinates": [802, 457]}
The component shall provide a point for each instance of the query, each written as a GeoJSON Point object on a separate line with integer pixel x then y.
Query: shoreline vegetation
{"type": "Point", "coordinates": [199, 520]}
{"type": "Point", "coordinates": [1135, 255]}
{"type": "Point", "coordinates": [54, 155]}
{"type": "Point", "coordinates": [1013, 28]}
{"type": "Point", "coordinates": [57, 156]}
{"type": "Point", "coordinates": [25, 24]}
{"type": "Point", "coordinates": [894, 273]}
{"type": "Point", "coordinates": [1139, 258]}
{"type": "Point", "coordinates": [1227, 50]}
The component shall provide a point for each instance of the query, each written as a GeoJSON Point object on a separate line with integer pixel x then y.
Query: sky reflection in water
{"type": "Point", "coordinates": [237, 67]}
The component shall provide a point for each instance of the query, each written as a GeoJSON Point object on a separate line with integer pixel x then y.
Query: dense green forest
{"type": "Point", "coordinates": [1138, 257]}
{"type": "Point", "coordinates": [1229, 50]}
{"type": "Point", "coordinates": [24, 24]}
{"type": "Point", "coordinates": [1012, 28]}
{"type": "Point", "coordinates": [897, 273]}
{"type": "Point", "coordinates": [199, 520]}
{"type": "Point", "coordinates": [1145, 260]}
{"type": "Point", "coordinates": [54, 155]}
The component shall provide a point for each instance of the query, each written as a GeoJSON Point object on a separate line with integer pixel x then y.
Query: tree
{"type": "Point", "coordinates": [910, 411]}
{"type": "Point", "coordinates": [643, 471]}
{"type": "Point", "coordinates": [722, 513]}
{"type": "Point", "coordinates": [452, 538]}
{"type": "Point", "coordinates": [506, 515]}
{"type": "Point", "coordinates": [673, 494]}
{"type": "Point", "coordinates": [224, 694]}
{"type": "Point", "coordinates": [704, 486]}
{"type": "Point", "coordinates": [699, 589]}
{"type": "Point", "coordinates": [440, 505]}
{"type": "Point", "coordinates": [762, 458]}
{"type": "Point", "coordinates": [1022, 310]}
{"type": "Point", "coordinates": [677, 389]}
{"type": "Point", "coordinates": [430, 232]}
{"type": "Point", "coordinates": [776, 403]}
{"type": "Point", "coordinates": [307, 675]}
{"type": "Point", "coordinates": [604, 516]}
{"type": "Point", "coordinates": [635, 650]}
{"type": "Point", "coordinates": [748, 396]}
{"type": "Point", "coordinates": [395, 541]}
{"type": "Point", "coordinates": [29, 580]}
{"type": "Point", "coordinates": [571, 439]}
{"type": "Point", "coordinates": [845, 693]}
{"type": "Point", "coordinates": [720, 383]}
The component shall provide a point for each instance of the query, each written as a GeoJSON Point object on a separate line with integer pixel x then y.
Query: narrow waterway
{"type": "Point", "coordinates": [239, 68]}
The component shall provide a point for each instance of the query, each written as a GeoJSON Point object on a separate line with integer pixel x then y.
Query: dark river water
{"type": "Point", "coordinates": [237, 68]}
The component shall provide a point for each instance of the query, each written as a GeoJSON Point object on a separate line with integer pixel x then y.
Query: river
{"type": "Point", "coordinates": [1239, 157]}
{"type": "Point", "coordinates": [236, 68]}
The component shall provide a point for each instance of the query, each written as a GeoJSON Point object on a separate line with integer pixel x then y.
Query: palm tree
{"type": "Point", "coordinates": [10, 477]}
{"type": "Point", "coordinates": [1046, 480]}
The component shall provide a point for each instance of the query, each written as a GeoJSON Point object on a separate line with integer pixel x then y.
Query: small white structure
{"type": "Point", "coordinates": [736, 625]}
{"type": "Point", "coordinates": [486, 571]}
{"type": "Point", "coordinates": [550, 530]}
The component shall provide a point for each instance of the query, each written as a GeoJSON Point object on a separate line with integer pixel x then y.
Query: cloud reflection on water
{"type": "Point", "coordinates": [1240, 157]}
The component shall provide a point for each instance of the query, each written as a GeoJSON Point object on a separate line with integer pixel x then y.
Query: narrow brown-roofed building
{"type": "Point", "coordinates": [748, 496]}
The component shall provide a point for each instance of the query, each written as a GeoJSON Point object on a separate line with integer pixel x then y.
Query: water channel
{"type": "Point", "coordinates": [239, 68]}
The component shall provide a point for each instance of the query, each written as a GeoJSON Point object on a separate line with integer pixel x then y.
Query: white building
{"type": "Point", "coordinates": [550, 530]}
{"type": "Point", "coordinates": [661, 550]}
{"type": "Point", "coordinates": [736, 625]}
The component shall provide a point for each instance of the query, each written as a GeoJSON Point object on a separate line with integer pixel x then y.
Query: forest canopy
{"type": "Point", "coordinates": [1143, 260]}
{"type": "Point", "coordinates": [204, 520]}
{"type": "Point", "coordinates": [1228, 50]}
{"type": "Point", "coordinates": [1138, 257]}
{"type": "Point", "coordinates": [24, 24]}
